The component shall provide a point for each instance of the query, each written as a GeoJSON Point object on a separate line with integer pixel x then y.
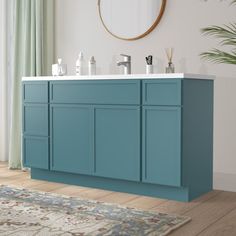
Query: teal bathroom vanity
{"type": "Point", "coordinates": [149, 135]}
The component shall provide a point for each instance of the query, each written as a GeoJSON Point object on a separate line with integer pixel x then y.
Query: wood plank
{"type": "Point", "coordinates": [207, 213]}
{"type": "Point", "coordinates": [47, 187]}
{"type": "Point", "coordinates": [212, 214]}
{"type": "Point", "coordinates": [93, 194]}
{"type": "Point", "coordinates": [3, 167]}
{"type": "Point", "coordinates": [119, 198]}
{"type": "Point", "coordinates": [181, 207]}
{"type": "Point", "coordinates": [72, 191]}
{"type": "Point", "coordinates": [11, 173]}
{"type": "Point", "coordinates": [226, 226]}
{"type": "Point", "coordinates": [3, 163]}
{"type": "Point", "coordinates": [12, 180]}
{"type": "Point", "coordinates": [26, 183]}
{"type": "Point", "coordinates": [144, 203]}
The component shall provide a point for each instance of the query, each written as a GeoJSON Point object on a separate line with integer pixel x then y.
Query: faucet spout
{"type": "Point", "coordinates": [126, 63]}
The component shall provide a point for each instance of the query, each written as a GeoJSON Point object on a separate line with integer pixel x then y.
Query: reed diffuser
{"type": "Point", "coordinates": [169, 53]}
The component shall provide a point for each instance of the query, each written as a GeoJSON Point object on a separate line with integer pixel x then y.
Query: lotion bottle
{"type": "Point", "coordinates": [80, 64]}
{"type": "Point", "coordinates": [92, 66]}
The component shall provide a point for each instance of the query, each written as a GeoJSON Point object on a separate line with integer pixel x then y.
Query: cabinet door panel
{"type": "Point", "coordinates": [117, 142]}
{"type": "Point", "coordinates": [162, 145]}
{"type": "Point", "coordinates": [35, 119]}
{"type": "Point", "coordinates": [71, 139]}
{"type": "Point", "coordinates": [35, 152]}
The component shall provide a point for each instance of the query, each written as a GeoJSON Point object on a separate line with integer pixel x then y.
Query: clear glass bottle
{"type": "Point", "coordinates": [170, 68]}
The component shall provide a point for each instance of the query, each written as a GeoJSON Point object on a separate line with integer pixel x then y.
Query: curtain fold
{"type": "Point", "coordinates": [33, 56]}
{"type": "Point", "coordinates": [3, 81]}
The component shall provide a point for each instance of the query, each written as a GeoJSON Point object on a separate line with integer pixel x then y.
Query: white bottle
{"type": "Point", "coordinates": [80, 64]}
{"type": "Point", "coordinates": [92, 66]}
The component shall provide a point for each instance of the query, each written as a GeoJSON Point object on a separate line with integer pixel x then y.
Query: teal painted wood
{"type": "Point", "coordinates": [71, 138]}
{"type": "Point", "coordinates": [185, 139]}
{"type": "Point", "coordinates": [197, 135]}
{"type": "Point", "coordinates": [162, 92]}
{"type": "Point", "coordinates": [117, 142]}
{"type": "Point", "coordinates": [162, 145]}
{"type": "Point", "coordinates": [35, 92]}
{"type": "Point", "coordinates": [96, 92]}
{"type": "Point", "coordinates": [35, 119]}
{"type": "Point", "coordinates": [36, 152]}
{"type": "Point", "coordinates": [153, 190]}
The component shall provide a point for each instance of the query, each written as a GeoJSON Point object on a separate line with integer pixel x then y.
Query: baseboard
{"type": "Point", "coordinates": [223, 181]}
{"type": "Point", "coordinates": [146, 189]}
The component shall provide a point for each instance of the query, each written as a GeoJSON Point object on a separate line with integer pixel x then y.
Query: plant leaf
{"type": "Point", "coordinates": [218, 56]}
{"type": "Point", "coordinates": [233, 2]}
{"type": "Point", "coordinates": [227, 33]}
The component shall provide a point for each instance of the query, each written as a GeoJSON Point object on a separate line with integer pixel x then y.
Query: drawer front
{"type": "Point", "coordinates": [36, 152]}
{"type": "Point", "coordinates": [96, 92]}
{"type": "Point", "coordinates": [162, 92]}
{"type": "Point", "coordinates": [35, 92]}
{"type": "Point", "coordinates": [35, 119]}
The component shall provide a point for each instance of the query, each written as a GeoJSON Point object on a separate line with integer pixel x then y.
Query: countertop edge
{"type": "Point", "coordinates": [120, 77]}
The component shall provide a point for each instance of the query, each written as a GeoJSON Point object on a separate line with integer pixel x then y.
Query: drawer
{"type": "Point", "coordinates": [35, 119]}
{"type": "Point", "coordinates": [96, 92]}
{"type": "Point", "coordinates": [36, 152]}
{"type": "Point", "coordinates": [162, 92]}
{"type": "Point", "coordinates": [35, 92]}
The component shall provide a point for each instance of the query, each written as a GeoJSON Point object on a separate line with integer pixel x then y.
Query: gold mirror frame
{"type": "Point", "coordinates": [157, 21]}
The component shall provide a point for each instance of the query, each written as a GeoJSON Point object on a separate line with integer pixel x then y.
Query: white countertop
{"type": "Point", "coordinates": [119, 76]}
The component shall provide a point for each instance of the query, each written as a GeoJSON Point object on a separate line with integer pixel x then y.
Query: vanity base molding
{"type": "Point", "coordinates": [152, 190]}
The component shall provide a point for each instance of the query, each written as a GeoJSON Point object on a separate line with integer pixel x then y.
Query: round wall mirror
{"type": "Point", "coordinates": [130, 19]}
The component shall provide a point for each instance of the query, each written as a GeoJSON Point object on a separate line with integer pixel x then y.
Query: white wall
{"type": "Point", "coordinates": [79, 28]}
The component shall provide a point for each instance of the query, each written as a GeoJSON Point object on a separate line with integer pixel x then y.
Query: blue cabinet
{"type": "Point", "coordinates": [35, 125]}
{"type": "Point", "coordinates": [144, 136]}
{"type": "Point", "coordinates": [71, 139]}
{"type": "Point", "coordinates": [121, 92]}
{"type": "Point", "coordinates": [117, 142]}
{"type": "Point", "coordinates": [35, 92]}
{"type": "Point", "coordinates": [36, 119]}
{"type": "Point", "coordinates": [167, 92]}
{"type": "Point", "coordinates": [36, 152]}
{"type": "Point", "coordinates": [162, 145]}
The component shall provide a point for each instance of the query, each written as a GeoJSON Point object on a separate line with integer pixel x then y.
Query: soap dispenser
{"type": "Point", "coordinates": [80, 64]}
{"type": "Point", "coordinates": [92, 66]}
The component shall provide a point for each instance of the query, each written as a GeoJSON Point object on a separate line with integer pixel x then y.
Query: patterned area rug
{"type": "Point", "coordinates": [30, 213]}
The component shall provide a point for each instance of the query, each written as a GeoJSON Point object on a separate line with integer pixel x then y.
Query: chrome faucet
{"type": "Point", "coordinates": [126, 63]}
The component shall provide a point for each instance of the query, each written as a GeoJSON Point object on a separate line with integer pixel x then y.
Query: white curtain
{"type": "Point", "coordinates": [32, 56]}
{"type": "Point", "coordinates": [7, 19]}
{"type": "Point", "coordinates": [3, 82]}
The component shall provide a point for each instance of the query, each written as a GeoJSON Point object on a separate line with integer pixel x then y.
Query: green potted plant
{"type": "Point", "coordinates": [227, 36]}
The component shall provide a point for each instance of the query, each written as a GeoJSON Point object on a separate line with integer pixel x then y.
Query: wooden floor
{"type": "Point", "coordinates": [212, 214]}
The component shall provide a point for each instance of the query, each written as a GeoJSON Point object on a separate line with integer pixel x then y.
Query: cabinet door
{"type": "Point", "coordinates": [117, 142]}
{"type": "Point", "coordinates": [162, 145]}
{"type": "Point", "coordinates": [35, 152]}
{"type": "Point", "coordinates": [71, 138]}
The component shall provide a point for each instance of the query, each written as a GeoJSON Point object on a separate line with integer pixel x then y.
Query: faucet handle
{"type": "Point", "coordinates": [127, 57]}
